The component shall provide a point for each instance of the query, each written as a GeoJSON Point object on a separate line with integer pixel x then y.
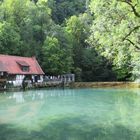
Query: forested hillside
{"type": "Point", "coordinates": [98, 40]}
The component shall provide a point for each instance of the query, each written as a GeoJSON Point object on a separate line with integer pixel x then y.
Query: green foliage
{"type": "Point", "coordinates": [96, 67]}
{"type": "Point", "coordinates": [115, 30]}
{"type": "Point", "coordinates": [63, 9]}
{"type": "Point", "coordinates": [57, 56]}
{"type": "Point", "coordinates": [96, 40]}
{"type": "Point", "coordinates": [78, 74]}
{"type": "Point", "coordinates": [78, 27]}
{"type": "Point", "coordinates": [9, 35]}
{"type": "Point", "coordinates": [29, 21]}
{"type": "Point", "coordinates": [89, 65]}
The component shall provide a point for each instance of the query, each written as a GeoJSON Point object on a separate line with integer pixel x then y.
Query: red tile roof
{"type": "Point", "coordinates": [2, 67]}
{"type": "Point", "coordinates": [11, 64]}
{"type": "Point", "coordinates": [22, 63]}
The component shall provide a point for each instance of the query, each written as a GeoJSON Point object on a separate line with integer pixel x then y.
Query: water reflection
{"type": "Point", "coordinates": [37, 96]}
{"type": "Point", "coordinates": [137, 91]}
{"type": "Point", "coordinates": [21, 97]}
{"type": "Point", "coordinates": [18, 96]}
{"type": "Point", "coordinates": [112, 111]}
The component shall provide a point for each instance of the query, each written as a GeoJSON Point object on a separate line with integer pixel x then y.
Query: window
{"type": "Point", "coordinates": [37, 77]}
{"type": "Point", "coordinates": [12, 77]}
{"type": "Point", "coordinates": [25, 68]}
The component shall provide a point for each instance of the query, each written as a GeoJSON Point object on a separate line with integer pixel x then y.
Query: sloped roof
{"type": "Point", "coordinates": [11, 64]}
{"type": "Point", "coordinates": [2, 67]}
{"type": "Point", "coordinates": [23, 63]}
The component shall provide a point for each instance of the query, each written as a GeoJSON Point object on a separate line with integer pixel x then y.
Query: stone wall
{"type": "Point", "coordinates": [105, 84]}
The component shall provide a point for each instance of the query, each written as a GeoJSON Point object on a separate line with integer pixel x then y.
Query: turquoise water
{"type": "Point", "coordinates": [70, 114]}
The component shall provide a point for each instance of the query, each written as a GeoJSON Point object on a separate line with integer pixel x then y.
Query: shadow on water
{"type": "Point", "coordinates": [69, 128]}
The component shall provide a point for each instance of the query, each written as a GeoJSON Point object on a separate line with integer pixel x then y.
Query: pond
{"type": "Point", "coordinates": [70, 114]}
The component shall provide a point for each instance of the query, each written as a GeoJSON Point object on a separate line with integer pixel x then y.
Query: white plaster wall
{"type": "Point", "coordinates": [33, 77]}
{"type": "Point", "coordinates": [41, 79]}
{"type": "Point", "coordinates": [19, 80]}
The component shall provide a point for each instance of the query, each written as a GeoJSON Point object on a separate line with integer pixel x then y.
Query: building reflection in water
{"type": "Point", "coordinates": [21, 97]}
{"type": "Point", "coordinates": [60, 93]}
{"type": "Point", "coordinates": [18, 96]}
{"type": "Point", "coordinates": [41, 95]}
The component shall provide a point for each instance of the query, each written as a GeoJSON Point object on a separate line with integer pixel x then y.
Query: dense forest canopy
{"type": "Point", "coordinates": [98, 40]}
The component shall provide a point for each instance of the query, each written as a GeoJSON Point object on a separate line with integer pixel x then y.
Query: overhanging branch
{"type": "Point", "coordinates": [133, 7]}
{"type": "Point", "coordinates": [137, 47]}
{"type": "Point", "coordinates": [134, 29]}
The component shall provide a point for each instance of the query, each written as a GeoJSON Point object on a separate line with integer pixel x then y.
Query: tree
{"type": "Point", "coordinates": [10, 42]}
{"type": "Point", "coordinates": [57, 53]}
{"type": "Point", "coordinates": [62, 9]}
{"type": "Point", "coordinates": [89, 65]}
{"type": "Point", "coordinates": [115, 30]}
{"type": "Point", "coordinates": [94, 39]}
{"type": "Point", "coordinates": [96, 67]}
{"type": "Point", "coordinates": [30, 20]}
{"type": "Point", "coordinates": [78, 27]}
